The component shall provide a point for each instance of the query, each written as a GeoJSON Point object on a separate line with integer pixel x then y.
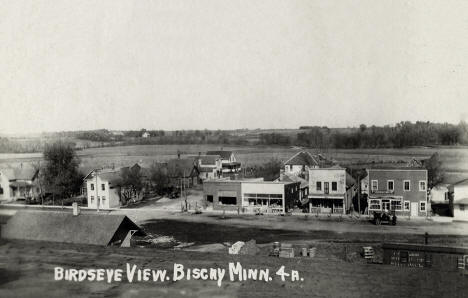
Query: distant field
{"type": "Point", "coordinates": [455, 159]}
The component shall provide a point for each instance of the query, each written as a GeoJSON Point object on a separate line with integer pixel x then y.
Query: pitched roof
{"type": "Point", "coordinates": [22, 173]}
{"type": "Point", "coordinates": [294, 178]}
{"type": "Point", "coordinates": [463, 201]}
{"type": "Point", "coordinates": [207, 159]}
{"type": "Point", "coordinates": [222, 153]}
{"type": "Point", "coordinates": [114, 178]}
{"type": "Point", "coordinates": [53, 226]}
{"type": "Point", "coordinates": [462, 182]}
{"type": "Point", "coordinates": [307, 159]}
{"type": "Point", "coordinates": [180, 167]}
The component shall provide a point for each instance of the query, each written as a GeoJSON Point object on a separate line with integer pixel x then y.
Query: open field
{"type": "Point", "coordinates": [455, 159]}
{"type": "Point", "coordinates": [27, 268]}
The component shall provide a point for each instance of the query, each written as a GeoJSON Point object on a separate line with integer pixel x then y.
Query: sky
{"type": "Point", "coordinates": [227, 64]}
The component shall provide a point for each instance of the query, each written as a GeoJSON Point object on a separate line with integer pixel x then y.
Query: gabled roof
{"type": "Point", "coordinates": [463, 201]}
{"type": "Point", "coordinates": [307, 159]}
{"type": "Point", "coordinates": [114, 178]}
{"type": "Point", "coordinates": [462, 182]}
{"type": "Point", "coordinates": [96, 229]}
{"type": "Point", "coordinates": [183, 167]}
{"type": "Point", "coordinates": [222, 153]}
{"type": "Point", "coordinates": [206, 159]}
{"type": "Point", "coordinates": [294, 178]}
{"type": "Point", "coordinates": [21, 173]}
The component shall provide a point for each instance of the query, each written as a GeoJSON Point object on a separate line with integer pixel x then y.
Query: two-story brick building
{"type": "Point", "coordinates": [330, 190]}
{"type": "Point", "coordinates": [403, 190]}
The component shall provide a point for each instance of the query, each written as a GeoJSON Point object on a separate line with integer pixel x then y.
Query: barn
{"type": "Point", "coordinates": [101, 229]}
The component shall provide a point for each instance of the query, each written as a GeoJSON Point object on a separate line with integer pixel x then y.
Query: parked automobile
{"type": "Point", "coordinates": [385, 217]}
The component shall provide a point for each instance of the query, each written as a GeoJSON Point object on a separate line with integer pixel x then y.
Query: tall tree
{"type": "Point", "coordinates": [435, 172]}
{"type": "Point", "coordinates": [61, 175]}
{"type": "Point", "coordinates": [159, 178]}
{"type": "Point", "coordinates": [132, 183]}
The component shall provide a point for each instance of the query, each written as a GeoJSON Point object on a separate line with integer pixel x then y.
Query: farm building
{"type": "Point", "coordinates": [331, 190]}
{"type": "Point", "coordinates": [252, 195]}
{"type": "Point", "coordinates": [95, 229]}
{"type": "Point", "coordinates": [18, 183]}
{"type": "Point", "coordinates": [229, 163]}
{"type": "Point", "coordinates": [403, 190]}
{"type": "Point", "coordinates": [418, 255]}
{"type": "Point", "coordinates": [458, 194]}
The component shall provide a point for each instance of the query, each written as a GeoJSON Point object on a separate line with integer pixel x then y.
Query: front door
{"type": "Point", "coordinates": [385, 205]}
{"type": "Point", "coordinates": [414, 208]}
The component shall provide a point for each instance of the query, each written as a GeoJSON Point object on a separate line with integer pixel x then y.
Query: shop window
{"type": "Point", "coordinates": [375, 205]}
{"type": "Point", "coordinates": [209, 198]}
{"type": "Point", "coordinates": [228, 200]}
{"type": "Point", "coordinates": [396, 205]}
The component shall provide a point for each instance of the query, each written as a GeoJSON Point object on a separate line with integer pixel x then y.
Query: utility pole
{"type": "Point", "coordinates": [359, 196]}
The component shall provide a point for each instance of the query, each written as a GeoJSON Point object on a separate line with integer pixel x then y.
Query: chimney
{"type": "Point", "coordinates": [76, 209]}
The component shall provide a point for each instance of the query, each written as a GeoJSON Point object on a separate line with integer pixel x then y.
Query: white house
{"type": "Point", "coordinates": [458, 193]}
{"type": "Point", "coordinates": [210, 166]}
{"type": "Point", "coordinates": [228, 161]}
{"type": "Point", "coordinates": [18, 183]}
{"type": "Point", "coordinates": [439, 194]}
{"type": "Point", "coordinates": [146, 135]}
{"type": "Point", "coordinates": [103, 189]}
{"type": "Point", "coordinates": [300, 163]}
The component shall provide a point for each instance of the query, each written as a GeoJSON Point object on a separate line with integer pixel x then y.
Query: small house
{"type": "Point", "coordinates": [18, 183]}
{"type": "Point", "coordinates": [458, 193]}
{"type": "Point", "coordinates": [229, 162]}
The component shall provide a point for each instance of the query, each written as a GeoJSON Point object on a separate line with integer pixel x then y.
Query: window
{"type": "Point", "coordinates": [396, 205]}
{"type": "Point", "coordinates": [334, 186]}
{"type": "Point", "coordinates": [319, 186]}
{"type": "Point", "coordinates": [92, 186]}
{"type": "Point", "coordinates": [406, 185]}
{"type": "Point", "coordinates": [375, 205]}
{"type": "Point", "coordinates": [103, 186]}
{"type": "Point", "coordinates": [374, 185]}
{"type": "Point", "coordinates": [209, 198]}
{"type": "Point", "coordinates": [92, 199]}
{"type": "Point", "coordinates": [462, 207]}
{"type": "Point", "coordinates": [407, 206]}
{"type": "Point", "coordinates": [422, 206]}
{"type": "Point", "coordinates": [403, 257]}
{"type": "Point", "coordinates": [422, 185]}
{"type": "Point", "coordinates": [227, 200]}
{"type": "Point", "coordinates": [290, 167]}
{"type": "Point", "coordinates": [103, 198]}
{"type": "Point", "coordinates": [390, 185]}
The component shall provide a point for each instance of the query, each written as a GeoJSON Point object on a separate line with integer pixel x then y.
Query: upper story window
{"type": "Point", "coordinates": [103, 186]}
{"type": "Point", "coordinates": [334, 186]}
{"type": "Point", "coordinates": [318, 186]}
{"type": "Point", "coordinates": [374, 185]}
{"type": "Point", "coordinates": [290, 167]}
{"type": "Point", "coordinates": [422, 185]}
{"type": "Point", "coordinates": [92, 186]}
{"type": "Point", "coordinates": [390, 185]}
{"type": "Point", "coordinates": [406, 185]}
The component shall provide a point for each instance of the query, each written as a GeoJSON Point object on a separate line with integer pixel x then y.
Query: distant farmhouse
{"type": "Point", "coordinates": [146, 135]}
{"type": "Point", "coordinates": [228, 161]}
{"type": "Point", "coordinates": [53, 226]}
{"type": "Point", "coordinates": [401, 189]}
{"type": "Point", "coordinates": [18, 183]}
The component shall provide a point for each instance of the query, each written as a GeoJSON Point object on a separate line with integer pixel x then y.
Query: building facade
{"type": "Point", "coordinates": [401, 190]}
{"type": "Point", "coordinates": [252, 196]}
{"type": "Point", "coordinates": [300, 163]}
{"type": "Point", "coordinates": [103, 189]}
{"type": "Point", "coordinates": [229, 163]}
{"type": "Point", "coordinates": [19, 183]}
{"type": "Point", "coordinates": [330, 190]}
